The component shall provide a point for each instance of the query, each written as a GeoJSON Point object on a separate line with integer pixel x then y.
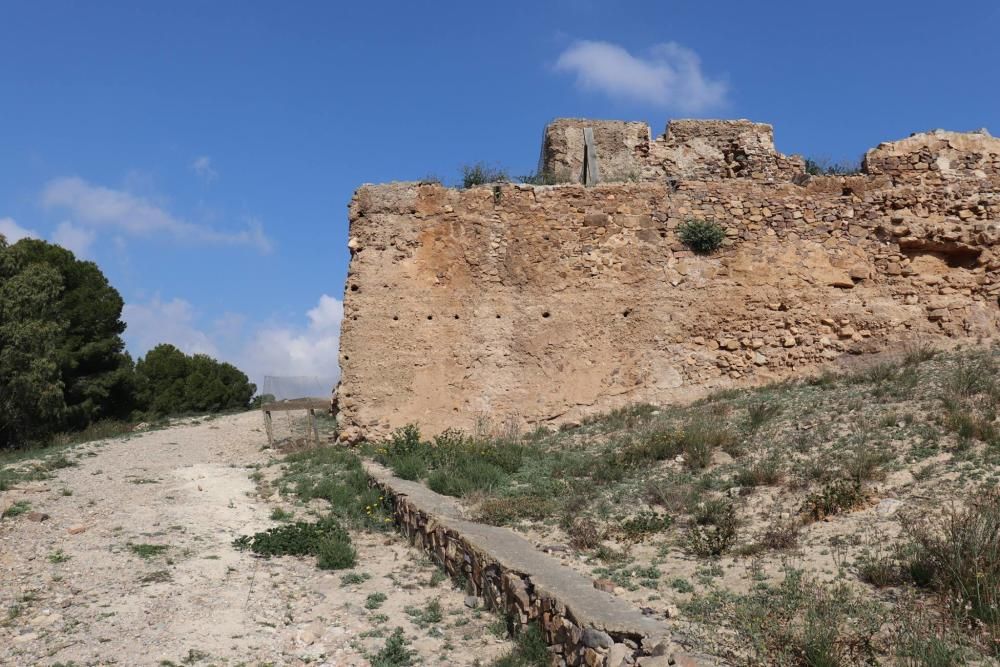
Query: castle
{"type": "Point", "coordinates": [551, 302]}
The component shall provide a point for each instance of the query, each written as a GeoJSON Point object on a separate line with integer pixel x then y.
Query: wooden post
{"type": "Point", "coordinates": [313, 431]}
{"type": "Point", "coordinates": [269, 428]}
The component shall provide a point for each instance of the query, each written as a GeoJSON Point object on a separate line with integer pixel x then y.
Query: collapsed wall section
{"type": "Point", "coordinates": [551, 303]}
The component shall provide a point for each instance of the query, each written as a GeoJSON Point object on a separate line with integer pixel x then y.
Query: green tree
{"type": "Point", "coordinates": [96, 373]}
{"type": "Point", "coordinates": [171, 382]}
{"type": "Point", "coordinates": [31, 390]}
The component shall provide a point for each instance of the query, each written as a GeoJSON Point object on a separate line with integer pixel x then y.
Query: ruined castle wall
{"type": "Point", "coordinates": [936, 158]}
{"type": "Point", "coordinates": [689, 149]}
{"type": "Point", "coordinates": [556, 302]}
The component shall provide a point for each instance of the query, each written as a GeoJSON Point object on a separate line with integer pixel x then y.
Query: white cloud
{"type": "Point", "coordinates": [99, 206]}
{"type": "Point", "coordinates": [14, 232]}
{"type": "Point", "coordinates": [312, 351]}
{"type": "Point", "coordinates": [287, 352]}
{"type": "Point", "coordinates": [74, 238]}
{"type": "Point", "coordinates": [157, 321]}
{"type": "Point", "coordinates": [669, 77]}
{"type": "Point", "coordinates": [202, 166]}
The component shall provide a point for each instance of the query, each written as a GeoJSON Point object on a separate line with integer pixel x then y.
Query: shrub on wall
{"type": "Point", "coordinates": [481, 173]}
{"type": "Point", "coordinates": [702, 236]}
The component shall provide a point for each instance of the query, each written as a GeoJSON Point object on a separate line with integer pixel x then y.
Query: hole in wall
{"type": "Point", "coordinates": [545, 314]}
{"type": "Point", "coordinates": [395, 318]}
{"type": "Point", "coordinates": [626, 312]}
{"type": "Point", "coordinates": [354, 288]}
{"type": "Point", "coordinates": [430, 317]}
{"type": "Point", "coordinates": [498, 316]}
{"type": "Point", "coordinates": [456, 316]}
{"type": "Point", "coordinates": [954, 256]}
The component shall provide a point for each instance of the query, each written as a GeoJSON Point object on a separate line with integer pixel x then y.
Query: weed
{"type": "Point", "coordinates": [760, 412]}
{"type": "Point", "coordinates": [157, 577]}
{"type": "Point", "coordinates": [682, 585]}
{"type": "Point", "coordinates": [59, 556]}
{"type": "Point", "coordinates": [766, 472]}
{"type": "Point", "coordinates": [375, 600]}
{"type": "Point", "coordinates": [427, 616]}
{"type": "Point", "coordinates": [148, 551]}
{"type": "Point", "coordinates": [530, 650]}
{"type": "Point", "coordinates": [18, 508]}
{"type": "Point", "coordinates": [279, 514]}
{"type": "Point", "coordinates": [354, 578]}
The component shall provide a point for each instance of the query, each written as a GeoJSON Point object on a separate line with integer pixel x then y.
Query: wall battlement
{"type": "Point", "coordinates": [554, 302]}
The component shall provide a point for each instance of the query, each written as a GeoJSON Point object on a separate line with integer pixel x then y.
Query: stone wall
{"type": "Point", "coordinates": [934, 158]}
{"type": "Point", "coordinates": [581, 625]}
{"type": "Point", "coordinates": [688, 149]}
{"type": "Point", "coordinates": [555, 302]}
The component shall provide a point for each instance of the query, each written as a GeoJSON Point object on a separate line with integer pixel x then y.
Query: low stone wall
{"type": "Point", "coordinates": [583, 626]}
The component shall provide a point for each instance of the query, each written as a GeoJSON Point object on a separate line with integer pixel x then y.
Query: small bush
{"type": "Point", "coordinates": [713, 529]}
{"type": "Point", "coordinates": [505, 509]}
{"type": "Point", "coordinates": [325, 539]}
{"type": "Point", "coordinates": [760, 412]}
{"type": "Point", "coordinates": [530, 650]}
{"type": "Point", "coordinates": [466, 476]}
{"type": "Point", "coordinates": [481, 173]}
{"type": "Point", "coordinates": [335, 552]}
{"type": "Point", "coordinates": [585, 534]}
{"type": "Point", "coordinates": [395, 653]}
{"type": "Point", "coordinates": [766, 472]}
{"type": "Point", "coordinates": [960, 556]}
{"type": "Point", "coordinates": [701, 236]}
{"type": "Point", "coordinates": [833, 498]}
{"type": "Point", "coordinates": [781, 535]}
{"type": "Point", "coordinates": [701, 435]}
{"type": "Point", "coordinates": [641, 526]}
{"type": "Point", "coordinates": [375, 600]}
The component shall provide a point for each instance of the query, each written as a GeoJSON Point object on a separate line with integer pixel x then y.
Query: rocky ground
{"type": "Point", "coordinates": [123, 556]}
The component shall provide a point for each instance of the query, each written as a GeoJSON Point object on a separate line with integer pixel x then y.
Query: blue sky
{"type": "Point", "coordinates": [204, 153]}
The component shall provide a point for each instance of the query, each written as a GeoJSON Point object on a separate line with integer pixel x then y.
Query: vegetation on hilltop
{"type": "Point", "coordinates": [63, 365]}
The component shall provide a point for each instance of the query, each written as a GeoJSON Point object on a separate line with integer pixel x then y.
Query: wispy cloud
{"type": "Point", "coordinates": [14, 232]}
{"type": "Point", "coordinates": [100, 206]}
{"type": "Point", "coordinates": [670, 76]}
{"type": "Point", "coordinates": [74, 238]}
{"type": "Point", "coordinates": [202, 166]}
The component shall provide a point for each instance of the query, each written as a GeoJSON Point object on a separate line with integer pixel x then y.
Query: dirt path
{"type": "Point", "coordinates": [134, 566]}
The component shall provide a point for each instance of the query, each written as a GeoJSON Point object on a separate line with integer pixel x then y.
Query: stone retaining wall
{"type": "Point", "coordinates": [583, 626]}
